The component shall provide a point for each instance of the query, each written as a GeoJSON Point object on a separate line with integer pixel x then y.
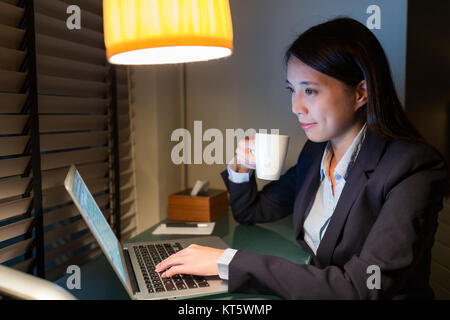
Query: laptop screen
{"type": "Point", "coordinates": [98, 224]}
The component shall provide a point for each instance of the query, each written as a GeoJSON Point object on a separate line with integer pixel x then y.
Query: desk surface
{"type": "Point", "coordinates": [98, 280]}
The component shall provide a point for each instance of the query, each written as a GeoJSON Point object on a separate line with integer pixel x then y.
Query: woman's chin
{"type": "Point", "coordinates": [315, 138]}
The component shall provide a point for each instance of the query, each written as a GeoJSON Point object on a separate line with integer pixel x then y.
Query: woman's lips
{"type": "Point", "coordinates": [306, 126]}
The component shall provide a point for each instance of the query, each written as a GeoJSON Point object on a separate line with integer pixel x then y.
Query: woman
{"type": "Point", "coordinates": [365, 192]}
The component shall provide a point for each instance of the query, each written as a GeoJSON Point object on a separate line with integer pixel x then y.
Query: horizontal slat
{"type": "Point", "coordinates": [63, 159]}
{"type": "Point", "coordinates": [10, 59]}
{"type": "Point", "coordinates": [125, 164]}
{"type": "Point", "coordinates": [58, 196]}
{"type": "Point", "coordinates": [64, 231]}
{"type": "Point", "coordinates": [15, 250]}
{"type": "Point", "coordinates": [67, 248]}
{"type": "Point", "coordinates": [124, 134]}
{"type": "Point", "coordinates": [128, 233]}
{"type": "Point", "coordinates": [13, 124]}
{"type": "Point", "coordinates": [58, 29]}
{"type": "Point", "coordinates": [10, 14]}
{"type": "Point", "coordinates": [12, 167]}
{"type": "Point", "coordinates": [72, 140]}
{"type": "Point", "coordinates": [12, 102]}
{"type": "Point", "coordinates": [15, 229]}
{"type": "Point", "coordinates": [55, 104]}
{"type": "Point", "coordinates": [123, 107]}
{"type": "Point", "coordinates": [58, 9]}
{"type": "Point", "coordinates": [59, 67]}
{"type": "Point", "coordinates": [55, 178]}
{"type": "Point", "coordinates": [13, 145]}
{"type": "Point", "coordinates": [70, 87]}
{"type": "Point", "coordinates": [127, 223]}
{"type": "Point", "coordinates": [14, 186]}
{"type": "Point", "coordinates": [440, 274]}
{"type": "Point", "coordinates": [124, 236]}
{"type": "Point", "coordinates": [13, 2]}
{"type": "Point", "coordinates": [11, 81]}
{"type": "Point", "coordinates": [126, 215]}
{"type": "Point", "coordinates": [129, 206]}
{"type": "Point", "coordinates": [125, 150]}
{"type": "Point", "coordinates": [16, 144]}
{"type": "Point", "coordinates": [443, 234]}
{"type": "Point", "coordinates": [60, 270]}
{"type": "Point", "coordinates": [71, 211]}
{"type": "Point", "coordinates": [126, 180]}
{"type": "Point", "coordinates": [68, 230]}
{"type": "Point", "coordinates": [11, 37]}
{"type": "Point", "coordinates": [440, 292]}
{"type": "Point", "coordinates": [122, 92]}
{"type": "Point", "coordinates": [441, 254]}
{"type": "Point", "coordinates": [14, 208]}
{"type": "Point", "coordinates": [55, 47]}
{"type": "Point", "coordinates": [24, 266]}
{"type": "Point", "coordinates": [126, 195]}
{"type": "Point", "coordinates": [124, 121]}
{"type": "Point", "coordinates": [444, 214]}
{"type": "Point", "coordinates": [51, 123]}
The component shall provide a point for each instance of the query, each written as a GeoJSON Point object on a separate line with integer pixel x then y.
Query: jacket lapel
{"type": "Point", "coordinates": [367, 160]}
{"type": "Point", "coordinates": [310, 171]}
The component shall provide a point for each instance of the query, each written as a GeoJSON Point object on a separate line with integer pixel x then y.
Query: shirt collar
{"type": "Point", "coordinates": [343, 165]}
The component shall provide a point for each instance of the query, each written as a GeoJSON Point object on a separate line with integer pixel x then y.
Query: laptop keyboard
{"type": "Point", "coordinates": [149, 256]}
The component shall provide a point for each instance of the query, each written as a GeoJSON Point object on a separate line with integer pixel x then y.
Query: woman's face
{"type": "Point", "coordinates": [322, 101]}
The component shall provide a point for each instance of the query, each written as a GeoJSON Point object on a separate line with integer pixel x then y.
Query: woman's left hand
{"type": "Point", "coordinates": [195, 260]}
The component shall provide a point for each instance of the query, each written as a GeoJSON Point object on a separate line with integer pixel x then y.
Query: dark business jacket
{"type": "Point", "coordinates": [386, 216]}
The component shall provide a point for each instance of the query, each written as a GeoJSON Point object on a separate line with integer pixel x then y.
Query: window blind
{"type": "Point", "coordinates": [84, 119]}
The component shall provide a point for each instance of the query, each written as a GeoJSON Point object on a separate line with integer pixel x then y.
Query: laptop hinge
{"type": "Point", "coordinates": [132, 275]}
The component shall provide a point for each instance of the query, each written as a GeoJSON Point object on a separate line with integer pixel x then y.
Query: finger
{"type": "Point", "coordinates": [243, 142]}
{"type": "Point", "coordinates": [246, 160]}
{"type": "Point", "coordinates": [245, 154]}
{"type": "Point", "coordinates": [169, 262]}
{"type": "Point", "coordinates": [181, 269]}
{"type": "Point", "coordinates": [250, 142]}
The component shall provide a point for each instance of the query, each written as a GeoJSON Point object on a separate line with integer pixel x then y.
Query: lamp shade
{"type": "Point", "coordinates": [166, 31]}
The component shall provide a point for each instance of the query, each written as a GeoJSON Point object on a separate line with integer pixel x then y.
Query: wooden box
{"type": "Point", "coordinates": [206, 206]}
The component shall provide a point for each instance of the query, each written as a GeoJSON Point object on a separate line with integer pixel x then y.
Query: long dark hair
{"type": "Point", "coordinates": [345, 49]}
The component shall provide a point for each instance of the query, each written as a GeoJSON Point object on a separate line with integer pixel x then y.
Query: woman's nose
{"type": "Point", "coordinates": [298, 107]}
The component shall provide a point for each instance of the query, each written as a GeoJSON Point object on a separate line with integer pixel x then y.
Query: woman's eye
{"type": "Point", "coordinates": [290, 89]}
{"type": "Point", "coordinates": [309, 91]}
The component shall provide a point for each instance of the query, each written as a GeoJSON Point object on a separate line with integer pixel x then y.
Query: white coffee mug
{"type": "Point", "coordinates": [270, 154]}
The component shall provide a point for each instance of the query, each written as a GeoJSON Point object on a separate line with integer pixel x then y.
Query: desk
{"type": "Point", "coordinates": [98, 280]}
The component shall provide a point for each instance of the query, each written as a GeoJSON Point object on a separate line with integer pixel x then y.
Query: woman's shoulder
{"type": "Point", "coordinates": [406, 158]}
{"type": "Point", "coordinates": [416, 153]}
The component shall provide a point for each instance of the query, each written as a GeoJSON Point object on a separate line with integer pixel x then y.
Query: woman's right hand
{"type": "Point", "coordinates": [245, 159]}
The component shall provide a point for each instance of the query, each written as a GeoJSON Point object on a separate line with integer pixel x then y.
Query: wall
{"type": "Point", "coordinates": [155, 98]}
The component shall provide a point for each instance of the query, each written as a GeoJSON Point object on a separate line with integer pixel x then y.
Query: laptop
{"type": "Point", "coordinates": [134, 263]}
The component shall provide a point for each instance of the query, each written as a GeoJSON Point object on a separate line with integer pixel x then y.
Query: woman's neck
{"type": "Point", "coordinates": [341, 144]}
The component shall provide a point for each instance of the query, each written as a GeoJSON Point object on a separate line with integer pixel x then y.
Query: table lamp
{"type": "Point", "coordinates": [141, 32]}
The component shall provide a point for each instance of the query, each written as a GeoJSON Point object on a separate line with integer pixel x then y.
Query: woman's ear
{"type": "Point", "coordinates": [361, 94]}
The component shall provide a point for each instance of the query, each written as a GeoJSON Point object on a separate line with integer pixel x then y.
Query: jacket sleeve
{"type": "Point", "coordinates": [273, 202]}
{"type": "Point", "coordinates": [402, 233]}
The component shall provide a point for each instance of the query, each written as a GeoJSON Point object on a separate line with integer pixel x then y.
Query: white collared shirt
{"type": "Point", "coordinates": [325, 202]}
